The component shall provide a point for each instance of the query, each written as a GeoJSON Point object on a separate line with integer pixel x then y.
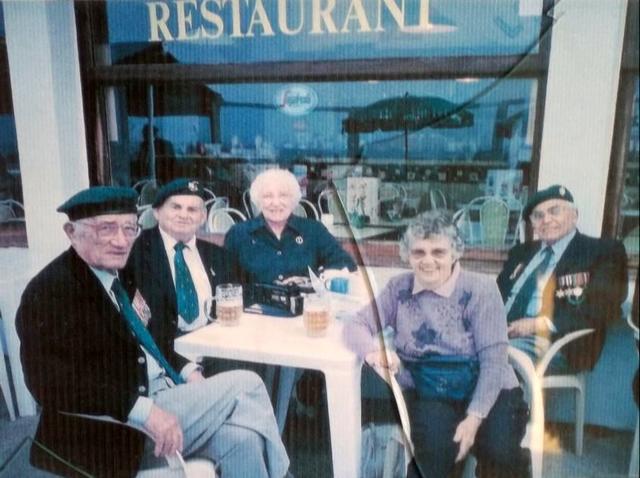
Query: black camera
{"type": "Point", "coordinates": [271, 299]}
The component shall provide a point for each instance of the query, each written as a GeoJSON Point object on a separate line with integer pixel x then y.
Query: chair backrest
{"type": "Point", "coordinates": [329, 202]}
{"type": "Point", "coordinates": [11, 210]}
{"type": "Point", "coordinates": [250, 208]}
{"type": "Point", "coordinates": [494, 220]}
{"type": "Point", "coordinates": [146, 219]}
{"type": "Point", "coordinates": [305, 208]}
{"type": "Point", "coordinates": [216, 203]}
{"type": "Point", "coordinates": [209, 193]}
{"type": "Point", "coordinates": [489, 221]}
{"type": "Point", "coordinates": [437, 199]}
{"type": "Point", "coordinates": [222, 219]}
{"type": "Point", "coordinates": [148, 192]}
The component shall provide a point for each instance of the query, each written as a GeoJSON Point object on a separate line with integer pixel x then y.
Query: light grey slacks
{"type": "Point", "coordinates": [228, 418]}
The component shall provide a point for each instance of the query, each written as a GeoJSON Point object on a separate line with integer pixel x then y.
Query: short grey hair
{"type": "Point", "coordinates": [282, 177]}
{"type": "Point", "coordinates": [433, 223]}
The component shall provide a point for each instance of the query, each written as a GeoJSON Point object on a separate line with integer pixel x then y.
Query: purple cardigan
{"type": "Point", "coordinates": [464, 316]}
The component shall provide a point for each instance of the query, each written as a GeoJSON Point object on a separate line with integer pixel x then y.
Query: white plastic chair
{"type": "Point", "coordinates": [210, 194]}
{"type": "Point", "coordinates": [146, 219]}
{"type": "Point", "coordinates": [534, 436]}
{"type": "Point", "coordinates": [4, 382]}
{"type": "Point", "coordinates": [305, 208]}
{"type": "Point", "coordinates": [437, 199]}
{"type": "Point", "coordinates": [177, 466]}
{"type": "Point", "coordinates": [572, 381]}
{"type": "Point", "coordinates": [222, 219]}
{"type": "Point", "coordinates": [11, 211]}
{"type": "Point", "coordinates": [250, 209]}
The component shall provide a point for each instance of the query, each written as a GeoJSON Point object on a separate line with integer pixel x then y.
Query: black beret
{"type": "Point", "coordinates": [179, 187]}
{"type": "Point", "coordinates": [552, 192]}
{"type": "Point", "coordinates": [99, 200]}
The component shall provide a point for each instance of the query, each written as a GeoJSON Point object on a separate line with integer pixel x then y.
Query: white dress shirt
{"type": "Point", "coordinates": [198, 275]}
{"type": "Point", "coordinates": [535, 304]}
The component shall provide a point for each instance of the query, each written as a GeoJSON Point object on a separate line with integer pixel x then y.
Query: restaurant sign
{"type": "Point", "coordinates": [214, 19]}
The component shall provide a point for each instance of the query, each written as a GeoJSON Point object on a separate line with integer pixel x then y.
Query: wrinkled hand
{"type": "Point", "coordinates": [466, 435]}
{"type": "Point", "coordinates": [526, 326]}
{"type": "Point", "coordinates": [384, 364]}
{"type": "Point", "coordinates": [195, 376]}
{"type": "Point", "coordinates": [165, 431]}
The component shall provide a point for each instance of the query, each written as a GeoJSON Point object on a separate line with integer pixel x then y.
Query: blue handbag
{"type": "Point", "coordinates": [444, 377]}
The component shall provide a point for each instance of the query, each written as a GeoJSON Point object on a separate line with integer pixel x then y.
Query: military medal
{"type": "Point", "coordinates": [141, 308]}
{"type": "Point", "coordinates": [571, 287]}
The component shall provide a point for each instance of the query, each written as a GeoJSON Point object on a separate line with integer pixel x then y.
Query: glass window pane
{"type": "Point", "coordinates": [202, 32]}
{"type": "Point", "coordinates": [441, 142]}
{"type": "Point", "coordinates": [12, 224]}
{"type": "Point", "coordinates": [628, 229]}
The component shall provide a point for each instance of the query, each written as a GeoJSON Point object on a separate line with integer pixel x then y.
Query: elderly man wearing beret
{"type": "Point", "coordinates": [169, 261]}
{"type": "Point", "coordinates": [561, 282]}
{"type": "Point", "coordinates": [98, 356]}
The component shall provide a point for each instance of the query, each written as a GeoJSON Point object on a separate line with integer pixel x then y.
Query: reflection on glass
{"type": "Point", "coordinates": [12, 226]}
{"type": "Point", "coordinates": [441, 143]}
{"type": "Point", "coordinates": [629, 217]}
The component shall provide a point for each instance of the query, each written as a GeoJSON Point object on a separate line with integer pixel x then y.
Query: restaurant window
{"type": "Point", "coordinates": [436, 103]}
{"type": "Point", "coordinates": [623, 191]}
{"type": "Point", "coordinates": [12, 223]}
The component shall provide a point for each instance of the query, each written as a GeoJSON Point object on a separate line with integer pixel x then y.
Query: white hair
{"type": "Point", "coordinates": [281, 177]}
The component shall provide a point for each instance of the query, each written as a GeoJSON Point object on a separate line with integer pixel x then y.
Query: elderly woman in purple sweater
{"type": "Point", "coordinates": [450, 340]}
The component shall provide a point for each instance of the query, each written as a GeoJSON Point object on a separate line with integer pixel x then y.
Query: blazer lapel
{"type": "Point", "coordinates": [158, 263]}
{"type": "Point", "coordinates": [89, 284]}
{"type": "Point", "coordinates": [209, 266]}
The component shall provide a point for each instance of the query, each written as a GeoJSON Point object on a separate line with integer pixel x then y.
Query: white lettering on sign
{"type": "Point", "coordinates": [183, 20]}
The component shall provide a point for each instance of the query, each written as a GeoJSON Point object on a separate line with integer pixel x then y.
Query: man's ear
{"type": "Point", "coordinates": [70, 229]}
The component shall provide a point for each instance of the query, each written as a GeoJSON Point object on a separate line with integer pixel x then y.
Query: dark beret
{"type": "Point", "coordinates": [179, 187]}
{"type": "Point", "coordinates": [99, 200]}
{"type": "Point", "coordinates": [552, 192]}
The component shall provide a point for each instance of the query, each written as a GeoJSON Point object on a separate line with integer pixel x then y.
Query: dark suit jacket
{"type": "Point", "coordinates": [606, 262]}
{"type": "Point", "coordinates": [148, 266]}
{"type": "Point", "coordinates": [79, 356]}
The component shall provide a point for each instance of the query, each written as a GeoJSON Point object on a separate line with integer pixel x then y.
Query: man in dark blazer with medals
{"type": "Point", "coordinates": [159, 267]}
{"type": "Point", "coordinates": [99, 360]}
{"type": "Point", "coordinates": [562, 282]}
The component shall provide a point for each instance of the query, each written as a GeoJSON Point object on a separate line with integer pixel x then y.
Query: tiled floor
{"type": "Point", "coordinates": [606, 452]}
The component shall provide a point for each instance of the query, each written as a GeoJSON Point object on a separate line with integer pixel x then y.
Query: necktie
{"type": "Point", "coordinates": [142, 334]}
{"type": "Point", "coordinates": [185, 289]}
{"type": "Point", "coordinates": [523, 297]}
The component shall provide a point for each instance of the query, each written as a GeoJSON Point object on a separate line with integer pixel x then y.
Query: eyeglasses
{"type": "Point", "coordinates": [108, 230]}
{"type": "Point", "coordinates": [554, 211]}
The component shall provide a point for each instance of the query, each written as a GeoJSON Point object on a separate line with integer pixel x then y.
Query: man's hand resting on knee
{"type": "Point", "coordinates": [165, 431]}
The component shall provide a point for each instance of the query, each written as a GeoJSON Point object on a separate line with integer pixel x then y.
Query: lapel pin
{"type": "Point", "coordinates": [299, 240]}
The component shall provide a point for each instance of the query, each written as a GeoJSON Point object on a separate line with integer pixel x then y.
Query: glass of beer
{"type": "Point", "coordinates": [228, 304]}
{"type": "Point", "coordinates": [316, 315]}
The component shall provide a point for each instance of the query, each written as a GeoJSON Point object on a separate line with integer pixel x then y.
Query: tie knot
{"type": "Point", "coordinates": [179, 246]}
{"type": "Point", "coordinates": [547, 251]}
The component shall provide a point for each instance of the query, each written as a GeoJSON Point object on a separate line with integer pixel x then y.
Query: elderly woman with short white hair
{"type": "Point", "coordinates": [450, 340]}
{"type": "Point", "coordinates": [278, 246]}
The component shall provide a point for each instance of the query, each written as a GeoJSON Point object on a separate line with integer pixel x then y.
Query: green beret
{"type": "Point", "coordinates": [179, 187]}
{"type": "Point", "coordinates": [99, 200]}
{"type": "Point", "coordinates": [552, 192]}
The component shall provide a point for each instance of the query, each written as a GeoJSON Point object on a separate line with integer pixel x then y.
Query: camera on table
{"type": "Point", "coordinates": [272, 299]}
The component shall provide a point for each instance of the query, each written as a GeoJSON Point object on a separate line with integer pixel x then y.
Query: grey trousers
{"type": "Point", "coordinates": [228, 418]}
